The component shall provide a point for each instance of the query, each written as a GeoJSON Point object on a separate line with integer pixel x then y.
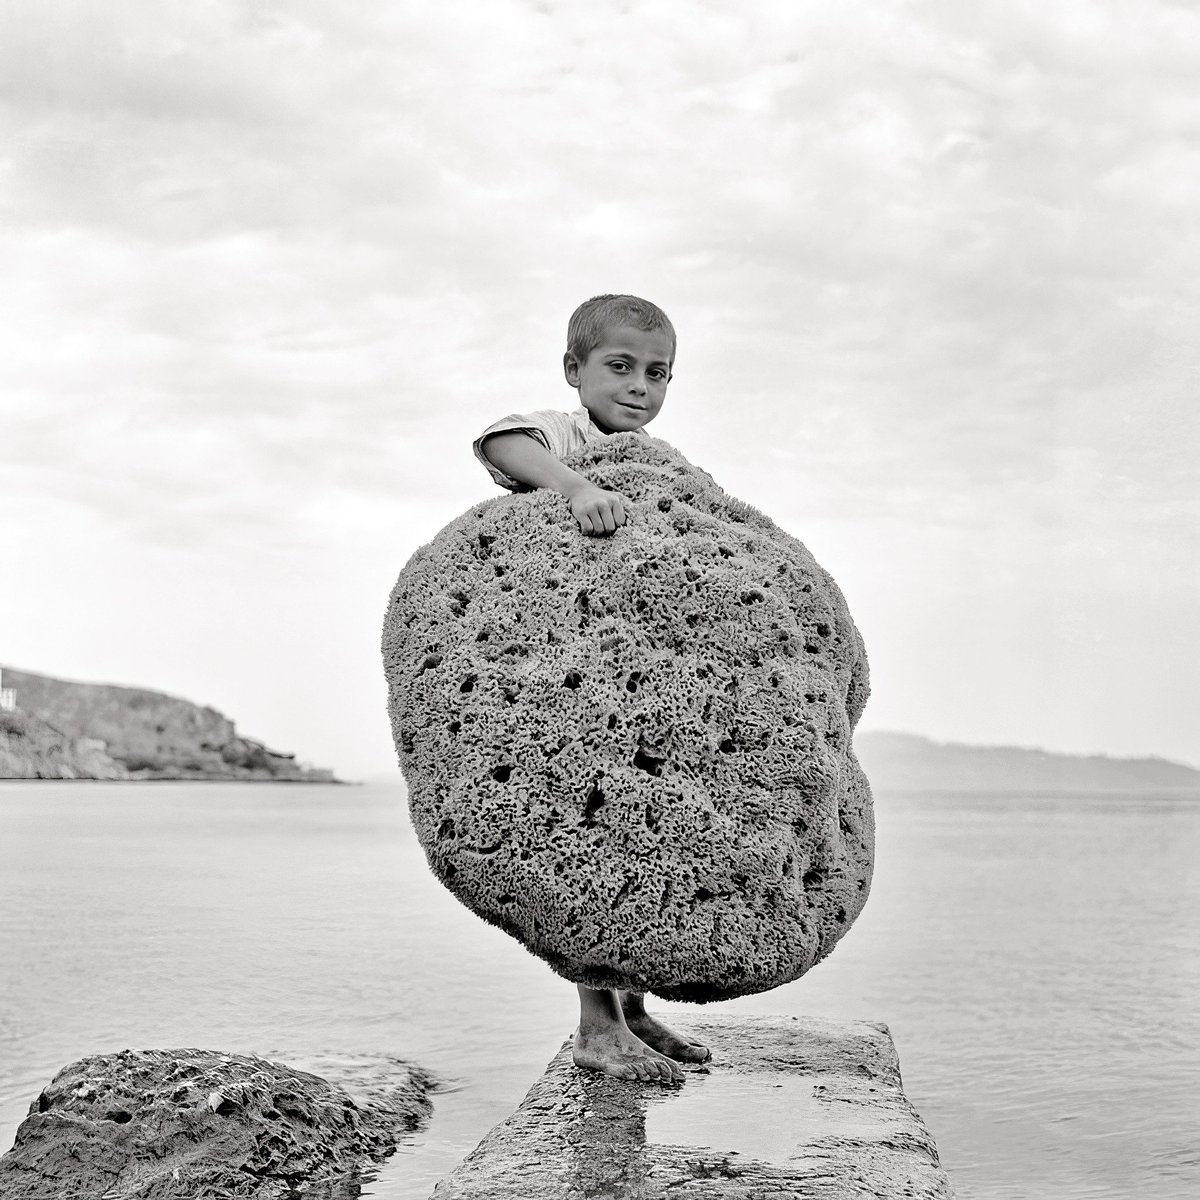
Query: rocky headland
{"type": "Point", "coordinates": [65, 730]}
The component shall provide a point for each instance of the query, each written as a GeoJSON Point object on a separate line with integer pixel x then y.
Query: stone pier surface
{"type": "Point", "coordinates": [788, 1107]}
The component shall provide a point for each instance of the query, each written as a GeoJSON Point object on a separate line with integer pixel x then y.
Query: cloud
{"type": "Point", "coordinates": [931, 266]}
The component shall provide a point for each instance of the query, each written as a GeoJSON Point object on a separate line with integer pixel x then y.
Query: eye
{"type": "Point", "coordinates": [657, 374]}
{"type": "Point", "coordinates": [619, 366]}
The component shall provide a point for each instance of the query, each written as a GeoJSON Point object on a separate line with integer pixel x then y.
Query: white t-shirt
{"type": "Point", "coordinates": [558, 431]}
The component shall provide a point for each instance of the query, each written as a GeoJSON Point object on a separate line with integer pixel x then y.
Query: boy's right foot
{"type": "Point", "coordinates": [613, 1050]}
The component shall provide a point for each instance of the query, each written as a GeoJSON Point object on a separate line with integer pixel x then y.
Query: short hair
{"type": "Point", "coordinates": [589, 321]}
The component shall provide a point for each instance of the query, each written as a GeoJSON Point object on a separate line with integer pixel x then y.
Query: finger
{"type": "Point", "coordinates": [619, 512]}
{"type": "Point", "coordinates": [585, 522]}
{"type": "Point", "coordinates": [610, 522]}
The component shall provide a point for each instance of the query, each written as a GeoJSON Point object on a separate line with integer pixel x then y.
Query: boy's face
{"type": "Point", "coordinates": [624, 381]}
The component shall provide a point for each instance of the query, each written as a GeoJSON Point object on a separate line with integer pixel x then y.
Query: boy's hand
{"type": "Point", "coordinates": [596, 510]}
{"type": "Point", "coordinates": [519, 455]}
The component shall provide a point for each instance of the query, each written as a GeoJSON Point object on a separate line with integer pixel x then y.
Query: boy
{"type": "Point", "coordinates": [620, 350]}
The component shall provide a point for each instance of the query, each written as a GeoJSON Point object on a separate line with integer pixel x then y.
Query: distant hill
{"type": "Point", "coordinates": [907, 762]}
{"type": "Point", "coordinates": [65, 730]}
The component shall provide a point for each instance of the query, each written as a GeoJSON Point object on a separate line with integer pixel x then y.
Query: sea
{"type": "Point", "coordinates": [1037, 959]}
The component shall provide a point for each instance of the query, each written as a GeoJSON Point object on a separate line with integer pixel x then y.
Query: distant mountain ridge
{"type": "Point", "coordinates": [909, 762]}
{"type": "Point", "coordinates": [65, 730]}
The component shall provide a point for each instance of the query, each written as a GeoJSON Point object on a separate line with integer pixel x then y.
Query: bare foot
{"type": "Point", "coordinates": [660, 1037]}
{"type": "Point", "coordinates": [615, 1051]}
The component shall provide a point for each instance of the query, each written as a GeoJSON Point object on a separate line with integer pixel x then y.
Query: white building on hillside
{"type": "Point", "coordinates": [8, 697]}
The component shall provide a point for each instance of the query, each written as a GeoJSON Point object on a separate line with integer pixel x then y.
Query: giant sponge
{"type": "Point", "coordinates": [633, 753]}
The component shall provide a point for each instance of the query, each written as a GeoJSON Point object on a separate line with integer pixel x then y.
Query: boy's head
{"type": "Point", "coordinates": [590, 320]}
{"type": "Point", "coordinates": [619, 355]}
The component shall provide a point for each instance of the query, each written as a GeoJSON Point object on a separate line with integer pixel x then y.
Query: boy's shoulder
{"type": "Point", "coordinates": [559, 432]}
{"type": "Point", "coordinates": [548, 425]}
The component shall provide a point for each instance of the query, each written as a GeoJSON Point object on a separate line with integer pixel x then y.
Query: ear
{"type": "Point", "coordinates": [571, 369]}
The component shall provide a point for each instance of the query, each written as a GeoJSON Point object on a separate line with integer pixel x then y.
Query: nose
{"type": "Point", "coordinates": [637, 384]}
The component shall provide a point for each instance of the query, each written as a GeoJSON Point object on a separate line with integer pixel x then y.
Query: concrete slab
{"type": "Point", "coordinates": [788, 1107]}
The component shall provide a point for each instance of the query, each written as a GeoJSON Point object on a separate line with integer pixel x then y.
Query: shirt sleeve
{"type": "Point", "coordinates": [550, 428]}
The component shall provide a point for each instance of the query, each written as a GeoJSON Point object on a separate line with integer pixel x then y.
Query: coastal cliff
{"type": "Point", "coordinates": [65, 730]}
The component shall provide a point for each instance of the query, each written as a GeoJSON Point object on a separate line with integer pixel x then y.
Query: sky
{"type": "Point", "coordinates": [268, 268]}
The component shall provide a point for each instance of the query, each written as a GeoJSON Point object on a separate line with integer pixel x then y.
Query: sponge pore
{"type": "Point", "coordinates": [633, 753]}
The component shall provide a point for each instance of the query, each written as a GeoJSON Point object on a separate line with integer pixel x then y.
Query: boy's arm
{"type": "Point", "coordinates": [524, 458]}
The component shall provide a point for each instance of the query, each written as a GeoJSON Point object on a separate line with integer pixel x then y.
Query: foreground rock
{"type": "Point", "coordinates": [65, 730]}
{"type": "Point", "coordinates": [634, 753]}
{"type": "Point", "coordinates": [789, 1107]}
{"type": "Point", "coordinates": [173, 1124]}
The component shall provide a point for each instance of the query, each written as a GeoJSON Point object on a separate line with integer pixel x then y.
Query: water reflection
{"type": "Point", "coordinates": [759, 1115]}
{"type": "Point", "coordinates": [728, 1118]}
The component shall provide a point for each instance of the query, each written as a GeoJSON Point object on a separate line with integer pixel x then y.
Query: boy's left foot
{"type": "Point", "coordinates": [666, 1041]}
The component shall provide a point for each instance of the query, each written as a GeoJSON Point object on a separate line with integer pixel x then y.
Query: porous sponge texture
{"type": "Point", "coordinates": [633, 753]}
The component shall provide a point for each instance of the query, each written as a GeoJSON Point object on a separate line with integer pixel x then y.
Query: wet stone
{"type": "Point", "coordinates": [634, 753]}
{"type": "Point", "coordinates": [788, 1107]}
{"type": "Point", "coordinates": [174, 1124]}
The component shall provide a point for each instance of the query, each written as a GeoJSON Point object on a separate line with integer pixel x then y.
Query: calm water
{"type": "Point", "coordinates": [1038, 961]}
